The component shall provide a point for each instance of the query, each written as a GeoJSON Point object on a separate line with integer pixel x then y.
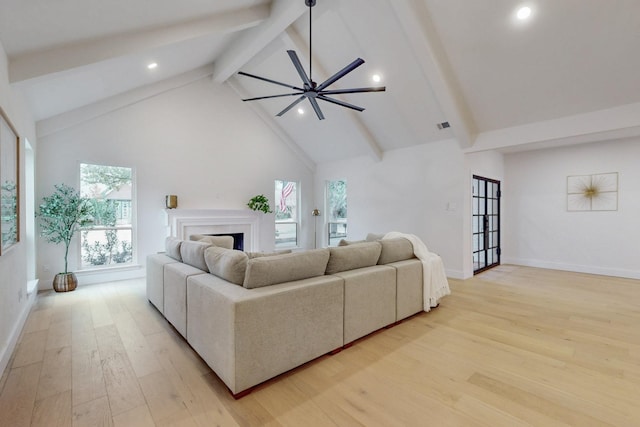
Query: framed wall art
{"type": "Point", "coordinates": [598, 192]}
{"type": "Point", "coordinates": [9, 188]}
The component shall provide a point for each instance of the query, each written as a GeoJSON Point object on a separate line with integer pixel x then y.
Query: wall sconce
{"type": "Point", "coordinates": [315, 212]}
{"type": "Point", "coordinates": [171, 201]}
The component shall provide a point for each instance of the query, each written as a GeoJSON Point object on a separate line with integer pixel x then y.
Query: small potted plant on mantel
{"type": "Point", "coordinates": [260, 203]}
{"type": "Point", "coordinates": [61, 215]}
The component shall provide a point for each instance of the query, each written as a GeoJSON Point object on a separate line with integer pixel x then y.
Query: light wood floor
{"type": "Point", "coordinates": [513, 346]}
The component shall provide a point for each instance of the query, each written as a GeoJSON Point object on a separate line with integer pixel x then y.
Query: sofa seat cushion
{"type": "Point", "coordinates": [227, 264]}
{"type": "Point", "coordinates": [276, 269]}
{"type": "Point", "coordinates": [354, 256]}
{"type": "Point", "coordinates": [394, 250]}
{"type": "Point", "coordinates": [193, 254]}
{"type": "Point", "coordinates": [172, 248]}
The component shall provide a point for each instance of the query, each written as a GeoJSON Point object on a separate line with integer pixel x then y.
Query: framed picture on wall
{"type": "Point", "coordinates": [597, 192]}
{"type": "Point", "coordinates": [9, 188]}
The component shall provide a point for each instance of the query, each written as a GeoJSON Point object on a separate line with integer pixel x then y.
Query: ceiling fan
{"type": "Point", "coordinates": [311, 90]}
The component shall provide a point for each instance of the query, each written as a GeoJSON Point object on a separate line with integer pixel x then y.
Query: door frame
{"type": "Point", "coordinates": [490, 224]}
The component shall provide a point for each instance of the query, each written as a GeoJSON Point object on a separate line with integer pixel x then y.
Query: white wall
{"type": "Point", "coordinates": [14, 301]}
{"type": "Point", "coordinates": [410, 191]}
{"type": "Point", "coordinates": [199, 142]}
{"type": "Point", "coordinates": [540, 232]}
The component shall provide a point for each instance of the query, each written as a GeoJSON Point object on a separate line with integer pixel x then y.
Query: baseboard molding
{"type": "Point", "coordinates": [10, 345]}
{"type": "Point", "coordinates": [455, 274]}
{"type": "Point", "coordinates": [92, 277]}
{"type": "Point", "coordinates": [578, 268]}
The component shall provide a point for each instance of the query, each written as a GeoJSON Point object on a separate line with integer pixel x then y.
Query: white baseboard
{"type": "Point", "coordinates": [578, 268]}
{"type": "Point", "coordinates": [454, 274]}
{"type": "Point", "coordinates": [12, 341]}
{"type": "Point", "coordinates": [91, 277]}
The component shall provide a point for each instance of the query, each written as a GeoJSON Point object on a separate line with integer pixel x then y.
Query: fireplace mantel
{"type": "Point", "coordinates": [182, 223]}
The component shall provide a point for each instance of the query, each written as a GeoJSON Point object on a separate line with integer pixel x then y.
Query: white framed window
{"type": "Point", "coordinates": [109, 241]}
{"type": "Point", "coordinates": [287, 214]}
{"type": "Point", "coordinates": [336, 208]}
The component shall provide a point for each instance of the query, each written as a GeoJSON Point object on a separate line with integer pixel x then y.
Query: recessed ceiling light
{"type": "Point", "coordinates": [523, 13]}
{"type": "Point", "coordinates": [376, 78]}
{"type": "Point", "coordinates": [152, 66]}
{"type": "Point", "coordinates": [300, 111]}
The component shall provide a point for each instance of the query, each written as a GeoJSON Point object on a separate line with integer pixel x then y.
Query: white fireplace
{"type": "Point", "coordinates": [182, 223]}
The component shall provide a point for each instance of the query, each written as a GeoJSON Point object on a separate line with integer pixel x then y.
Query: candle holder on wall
{"type": "Point", "coordinates": [171, 201]}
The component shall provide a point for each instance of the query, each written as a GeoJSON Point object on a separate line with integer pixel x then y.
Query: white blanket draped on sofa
{"type": "Point", "coordinates": [434, 277]}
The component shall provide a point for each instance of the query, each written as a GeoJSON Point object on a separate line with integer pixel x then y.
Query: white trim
{"type": "Point", "coordinates": [11, 343]}
{"type": "Point", "coordinates": [578, 268]}
{"type": "Point", "coordinates": [182, 223]}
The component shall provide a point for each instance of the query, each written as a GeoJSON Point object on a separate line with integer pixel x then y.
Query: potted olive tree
{"type": "Point", "coordinates": [61, 215]}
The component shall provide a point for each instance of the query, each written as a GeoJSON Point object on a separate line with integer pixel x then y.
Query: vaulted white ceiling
{"type": "Point", "coordinates": [566, 75]}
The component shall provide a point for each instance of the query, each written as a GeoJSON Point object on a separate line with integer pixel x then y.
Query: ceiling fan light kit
{"type": "Point", "coordinates": [311, 90]}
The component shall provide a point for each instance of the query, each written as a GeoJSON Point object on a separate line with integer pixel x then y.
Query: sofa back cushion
{"type": "Point", "coordinates": [372, 237]}
{"type": "Point", "coordinates": [394, 250]}
{"type": "Point", "coordinates": [354, 256]}
{"type": "Point", "coordinates": [220, 241]}
{"type": "Point", "coordinates": [252, 255]}
{"type": "Point", "coordinates": [344, 242]}
{"type": "Point", "coordinates": [172, 248]}
{"type": "Point", "coordinates": [271, 270]}
{"type": "Point", "coordinates": [228, 264]}
{"type": "Point", "coordinates": [192, 253]}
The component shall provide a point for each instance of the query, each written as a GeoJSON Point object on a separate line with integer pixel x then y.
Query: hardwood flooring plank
{"type": "Point", "coordinates": [55, 376]}
{"type": "Point", "coordinates": [87, 376]}
{"type": "Point", "coordinates": [19, 394]}
{"type": "Point", "coordinates": [53, 411]}
{"type": "Point", "coordinates": [95, 413]}
{"type": "Point", "coordinates": [31, 348]}
{"type": "Point", "coordinates": [142, 359]}
{"type": "Point", "coordinates": [122, 385]}
{"type": "Point", "coordinates": [137, 417]}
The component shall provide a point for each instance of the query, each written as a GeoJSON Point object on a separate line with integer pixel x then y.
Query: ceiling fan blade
{"type": "Point", "coordinates": [293, 104]}
{"type": "Point", "coordinates": [355, 90]}
{"type": "Point", "coordinates": [269, 80]}
{"type": "Point", "coordinates": [296, 63]}
{"type": "Point", "coordinates": [271, 96]}
{"type": "Point", "coordinates": [340, 74]}
{"type": "Point", "coordinates": [341, 103]}
{"type": "Point", "coordinates": [316, 108]}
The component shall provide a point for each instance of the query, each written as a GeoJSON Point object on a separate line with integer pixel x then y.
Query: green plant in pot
{"type": "Point", "coordinates": [260, 203]}
{"type": "Point", "coordinates": [61, 215]}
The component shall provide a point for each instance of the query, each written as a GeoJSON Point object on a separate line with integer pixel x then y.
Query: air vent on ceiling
{"type": "Point", "coordinates": [443, 125]}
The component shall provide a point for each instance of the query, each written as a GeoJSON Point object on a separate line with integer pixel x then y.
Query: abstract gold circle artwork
{"type": "Point", "coordinates": [598, 192]}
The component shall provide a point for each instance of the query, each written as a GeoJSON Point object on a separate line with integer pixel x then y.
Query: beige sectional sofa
{"type": "Point", "coordinates": [252, 316]}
